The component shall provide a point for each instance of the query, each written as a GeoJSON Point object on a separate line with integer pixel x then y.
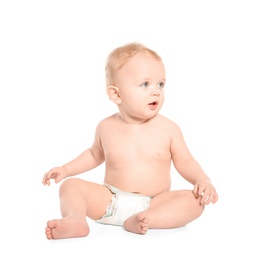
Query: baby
{"type": "Point", "coordinates": [138, 146]}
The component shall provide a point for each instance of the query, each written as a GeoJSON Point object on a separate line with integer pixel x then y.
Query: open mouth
{"type": "Point", "coordinates": [153, 105]}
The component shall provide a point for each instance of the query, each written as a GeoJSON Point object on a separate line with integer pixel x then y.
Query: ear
{"type": "Point", "coordinates": [113, 94]}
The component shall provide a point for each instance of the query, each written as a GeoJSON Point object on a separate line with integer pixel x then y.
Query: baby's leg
{"type": "Point", "coordinates": [78, 199]}
{"type": "Point", "coordinates": [167, 210]}
{"type": "Point", "coordinates": [174, 209]}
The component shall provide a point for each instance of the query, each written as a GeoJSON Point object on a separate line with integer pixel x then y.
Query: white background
{"type": "Point", "coordinates": [52, 95]}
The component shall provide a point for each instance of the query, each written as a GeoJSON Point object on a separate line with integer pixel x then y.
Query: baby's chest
{"type": "Point", "coordinates": [136, 148]}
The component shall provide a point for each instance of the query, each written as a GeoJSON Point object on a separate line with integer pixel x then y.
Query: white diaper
{"type": "Point", "coordinates": [123, 205]}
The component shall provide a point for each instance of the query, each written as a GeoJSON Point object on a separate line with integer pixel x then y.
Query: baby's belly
{"type": "Point", "coordinates": [146, 183]}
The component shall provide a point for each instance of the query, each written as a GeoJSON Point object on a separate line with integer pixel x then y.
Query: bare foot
{"type": "Point", "coordinates": [138, 223]}
{"type": "Point", "coordinates": [67, 227]}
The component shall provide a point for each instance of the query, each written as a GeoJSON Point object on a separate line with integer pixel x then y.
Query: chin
{"type": "Point", "coordinates": [151, 115]}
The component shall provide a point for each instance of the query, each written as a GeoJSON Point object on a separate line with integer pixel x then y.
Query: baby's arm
{"type": "Point", "coordinates": [191, 170]}
{"type": "Point", "coordinates": [86, 161]}
{"type": "Point", "coordinates": [205, 189]}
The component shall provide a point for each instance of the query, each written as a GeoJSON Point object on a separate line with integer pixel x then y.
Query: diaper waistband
{"type": "Point", "coordinates": [115, 190]}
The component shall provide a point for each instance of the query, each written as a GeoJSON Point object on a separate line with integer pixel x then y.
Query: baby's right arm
{"type": "Point", "coordinates": [89, 159]}
{"type": "Point", "coordinates": [86, 161]}
{"type": "Point", "coordinates": [57, 173]}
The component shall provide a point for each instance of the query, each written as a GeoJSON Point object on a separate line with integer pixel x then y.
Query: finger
{"type": "Point", "coordinates": [210, 198]}
{"type": "Point", "coordinates": [49, 175]}
{"type": "Point", "coordinates": [195, 191]}
{"type": "Point", "coordinates": [48, 182]}
{"type": "Point", "coordinates": [215, 199]}
{"type": "Point", "coordinates": [45, 180]}
{"type": "Point", "coordinates": [205, 196]}
{"type": "Point", "coordinates": [201, 189]}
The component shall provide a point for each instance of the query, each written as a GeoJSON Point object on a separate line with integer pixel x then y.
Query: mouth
{"type": "Point", "coordinates": [153, 105]}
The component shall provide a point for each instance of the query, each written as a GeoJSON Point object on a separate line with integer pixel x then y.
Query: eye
{"type": "Point", "coordinates": [161, 85]}
{"type": "Point", "coordinates": [144, 84]}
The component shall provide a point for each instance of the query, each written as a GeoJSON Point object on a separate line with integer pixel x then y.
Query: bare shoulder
{"type": "Point", "coordinates": [163, 121]}
{"type": "Point", "coordinates": [169, 128]}
{"type": "Point", "coordinates": [107, 122]}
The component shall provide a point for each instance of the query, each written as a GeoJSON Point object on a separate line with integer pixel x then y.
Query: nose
{"type": "Point", "coordinates": [155, 92]}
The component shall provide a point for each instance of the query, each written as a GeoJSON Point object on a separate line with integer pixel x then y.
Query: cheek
{"type": "Point", "coordinates": [162, 98]}
{"type": "Point", "coordinates": [161, 101]}
{"type": "Point", "coordinates": [131, 96]}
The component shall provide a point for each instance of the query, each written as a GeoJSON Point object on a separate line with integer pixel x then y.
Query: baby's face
{"type": "Point", "coordinates": [141, 86]}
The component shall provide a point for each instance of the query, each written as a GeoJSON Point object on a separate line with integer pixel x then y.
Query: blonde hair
{"type": "Point", "coordinates": [119, 56]}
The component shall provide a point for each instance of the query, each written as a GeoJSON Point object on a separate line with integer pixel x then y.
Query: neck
{"type": "Point", "coordinates": [133, 120]}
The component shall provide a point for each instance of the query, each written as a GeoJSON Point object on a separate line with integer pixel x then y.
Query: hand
{"type": "Point", "coordinates": [57, 173]}
{"type": "Point", "coordinates": [206, 190]}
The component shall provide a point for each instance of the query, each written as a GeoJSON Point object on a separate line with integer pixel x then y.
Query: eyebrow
{"type": "Point", "coordinates": [148, 79]}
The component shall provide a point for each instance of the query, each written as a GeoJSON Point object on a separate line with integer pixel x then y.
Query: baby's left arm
{"type": "Point", "coordinates": [206, 190]}
{"type": "Point", "coordinates": [190, 169]}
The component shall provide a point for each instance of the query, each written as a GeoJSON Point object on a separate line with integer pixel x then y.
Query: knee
{"type": "Point", "coordinates": [197, 206]}
{"type": "Point", "coordinates": [69, 183]}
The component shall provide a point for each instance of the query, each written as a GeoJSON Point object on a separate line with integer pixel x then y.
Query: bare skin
{"type": "Point", "coordinates": [67, 227]}
{"type": "Point", "coordinates": [138, 223]}
{"type": "Point", "coordinates": [138, 146]}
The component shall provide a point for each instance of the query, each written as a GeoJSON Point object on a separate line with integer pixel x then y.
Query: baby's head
{"type": "Point", "coordinates": [119, 56]}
